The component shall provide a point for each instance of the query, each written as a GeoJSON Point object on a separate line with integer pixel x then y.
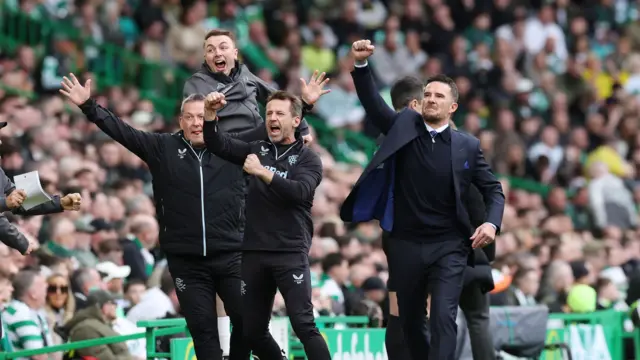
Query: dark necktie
{"type": "Point", "coordinates": [433, 134]}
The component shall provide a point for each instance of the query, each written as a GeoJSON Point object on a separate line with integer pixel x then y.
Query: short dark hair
{"type": "Point", "coordinates": [220, 32]}
{"type": "Point", "coordinates": [405, 90]}
{"type": "Point", "coordinates": [108, 246]}
{"type": "Point", "coordinates": [332, 260]}
{"type": "Point", "coordinates": [133, 282]}
{"type": "Point", "coordinates": [521, 273]}
{"type": "Point", "coordinates": [296, 103]}
{"type": "Point", "coordinates": [441, 78]}
{"type": "Point", "coordinates": [22, 282]}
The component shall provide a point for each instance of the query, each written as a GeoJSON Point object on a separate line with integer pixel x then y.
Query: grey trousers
{"type": "Point", "coordinates": [475, 307]}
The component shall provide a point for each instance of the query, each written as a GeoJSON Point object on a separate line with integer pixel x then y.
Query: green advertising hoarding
{"type": "Point", "coordinates": [586, 341]}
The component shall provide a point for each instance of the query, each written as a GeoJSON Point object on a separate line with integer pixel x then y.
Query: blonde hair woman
{"type": "Point", "coordinates": [60, 306]}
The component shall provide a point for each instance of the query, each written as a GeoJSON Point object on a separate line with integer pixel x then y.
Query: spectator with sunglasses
{"type": "Point", "coordinates": [60, 304]}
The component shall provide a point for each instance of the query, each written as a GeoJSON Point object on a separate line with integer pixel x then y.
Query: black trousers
{"type": "Point", "coordinates": [198, 279]}
{"type": "Point", "coordinates": [262, 274]}
{"type": "Point", "coordinates": [436, 268]}
{"type": "Point", "coordinates": [475, 307]}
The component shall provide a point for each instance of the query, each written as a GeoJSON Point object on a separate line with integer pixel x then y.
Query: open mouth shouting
{"type": "Point", "coordinates": [274, 130]}
{"type": "Point", "coordinates": [219, 65]}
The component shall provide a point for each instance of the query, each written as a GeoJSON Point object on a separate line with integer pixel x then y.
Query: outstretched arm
{"type": "Point", "coordinates": [8, 188]}
{"type": "Point", "coordinates": [380, 113]}
{"type": "Point", "coordinates": [144, 144]}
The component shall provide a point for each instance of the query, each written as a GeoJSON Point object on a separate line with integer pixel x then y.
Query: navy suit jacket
{"type": "Point", "coordinates": [373, 195]}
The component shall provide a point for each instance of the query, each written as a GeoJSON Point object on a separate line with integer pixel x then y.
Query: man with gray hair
{"type": "Point", "coordinates": [25, 317]}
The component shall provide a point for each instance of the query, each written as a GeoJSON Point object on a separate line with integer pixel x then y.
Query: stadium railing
{"type": "Point", "coordinates": [150, 334]}
{"type": "Point", "coordinates": [600, 335]}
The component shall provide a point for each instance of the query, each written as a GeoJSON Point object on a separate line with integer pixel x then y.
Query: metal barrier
{"type": "Point", "coordinates": [597, 335]}
{"type": "Point", "coordinates": [295, 348]}
{"type": "Point", "coordinates": [150, 334]}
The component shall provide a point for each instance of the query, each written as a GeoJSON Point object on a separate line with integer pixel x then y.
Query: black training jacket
{"type": "Point", "coordinates": [278, 214]}
{"type": "Point", "coordinates": [199, 196]}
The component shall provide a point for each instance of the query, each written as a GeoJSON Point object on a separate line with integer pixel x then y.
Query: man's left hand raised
{"type": "Point", "coordinates": [484, 235]}
{"type": "Point", "coordinates": [311, 92]}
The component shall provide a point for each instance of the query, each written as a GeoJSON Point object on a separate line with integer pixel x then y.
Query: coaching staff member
{"type": "Point", "coordinates": [279, 228]}
{"type": "Point", "coordinates": [198, 199]}
{"type": "Point", "coordinates": [221, 69]}
{"type": "Point", "coordinates": [408, 92]}
{"type": "Point", "coordinates": [416, 185]}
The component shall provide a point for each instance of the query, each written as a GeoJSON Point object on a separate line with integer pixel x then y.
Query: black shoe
{"type": "Point", "coordinates": [225, 357]}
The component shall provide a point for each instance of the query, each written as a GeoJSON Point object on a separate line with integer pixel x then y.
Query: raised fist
{"type": "Point", "coordinates": [362, 49]}
{"type": "Point", "coordinates": [212, 103]}
{"type": "Point", "coordinates": [71, 202]}
{"type": "Point", "coordinates": [215, 101]}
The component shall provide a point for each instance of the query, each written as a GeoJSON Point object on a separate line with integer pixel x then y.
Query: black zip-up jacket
{"type": "Point", "coordinates": [11, 236]}
{"type": "Point", "coordinates": [278, 214]}
{"type": "Point", "coordinates": [199, 197]}
{"type": "Point", "coordinates": [243, 91]}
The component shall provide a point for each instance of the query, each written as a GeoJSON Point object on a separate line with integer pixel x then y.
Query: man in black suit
{"type": "Point", "coordinates": [408, 92]}
{"type": "Point", "coordinates": [416, 186]}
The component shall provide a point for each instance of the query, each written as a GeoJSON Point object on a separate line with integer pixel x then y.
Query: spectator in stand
{"type": "Point", "coordinates": [137, 246]}
{"type": "Point", "coordinates": [25, 317]}
{"type": "Point", "coordinates": [157, 302]}
{"type": "Point", "coordinates": [94, 322]}
{"type": "Point", "coordinates": [83, 282]}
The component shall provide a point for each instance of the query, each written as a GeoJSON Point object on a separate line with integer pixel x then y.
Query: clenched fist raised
{"type": "Point", "coordinates": [215, 101]}
{"type": "Point", "coordinates": [362, 49]}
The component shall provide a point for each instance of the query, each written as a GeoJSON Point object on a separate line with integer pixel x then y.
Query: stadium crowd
{"type": "Point", "coordinates": [552, 89]}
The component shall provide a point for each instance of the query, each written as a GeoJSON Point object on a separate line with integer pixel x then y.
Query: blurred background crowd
{"type": "Point", "coordinates": [552, 89]}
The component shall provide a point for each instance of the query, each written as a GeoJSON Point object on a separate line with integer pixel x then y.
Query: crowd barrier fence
{"type": "Point", "coordinates": [600, 335]}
